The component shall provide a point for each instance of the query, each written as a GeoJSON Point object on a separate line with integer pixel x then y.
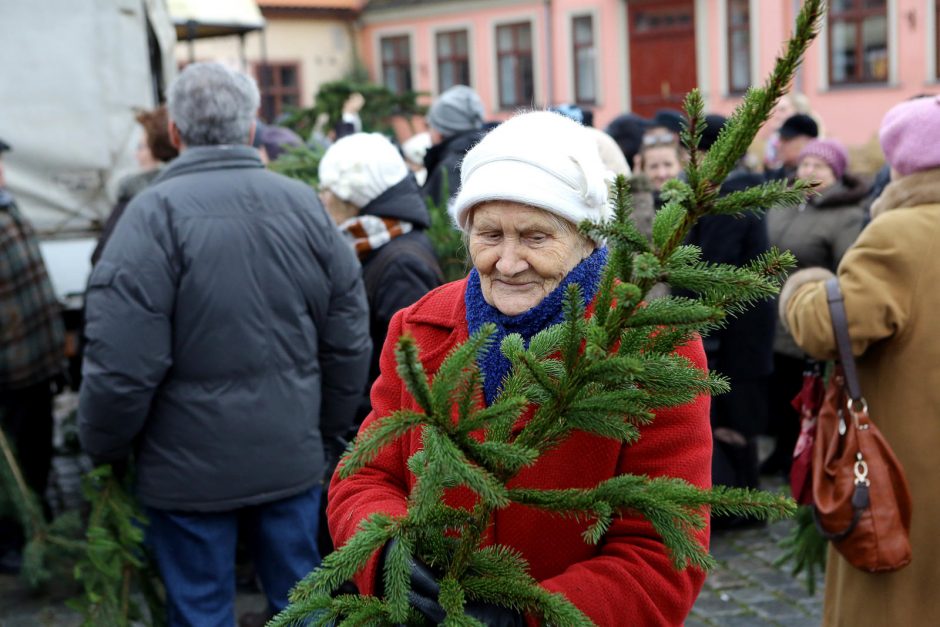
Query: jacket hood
{"type": "Point", "coordinates": [921, 188]}
{"type": "Point", "coordinates": [458, 144]}
{"type": "Point", "coordinates": [205, 158]}
{"type": "Point", "coordinates": [849, 191]}
{"type": "Point", "coordinates": [401, 201]}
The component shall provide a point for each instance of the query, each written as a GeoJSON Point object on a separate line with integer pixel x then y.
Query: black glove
{"type": "Point", "coordinates": [425, 590]}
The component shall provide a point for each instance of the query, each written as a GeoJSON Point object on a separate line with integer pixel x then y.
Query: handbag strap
{"type": "Point", "coordinates": [840, 327]}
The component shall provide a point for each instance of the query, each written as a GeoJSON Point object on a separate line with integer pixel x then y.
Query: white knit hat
{"type": "Point", "coordinates": [359, 167]}
{"type": "Point", "coordinates": [541, 159]}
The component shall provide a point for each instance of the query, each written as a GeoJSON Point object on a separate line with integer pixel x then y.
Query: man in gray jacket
{"type": "Point", "coordinates": [227, 340]}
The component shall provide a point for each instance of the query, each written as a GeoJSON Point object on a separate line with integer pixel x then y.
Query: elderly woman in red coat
{"type": "Point", "coordinates": [524, 188]}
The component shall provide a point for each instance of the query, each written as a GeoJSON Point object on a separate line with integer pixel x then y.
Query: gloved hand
{"type": "Point", "coordinates": [425, 590]}
{"type": "Point", "coordinates": [333, 449]}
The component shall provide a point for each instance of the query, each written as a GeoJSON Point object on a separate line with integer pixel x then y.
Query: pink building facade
{"type": "Point", "coordinates": [614, 56]}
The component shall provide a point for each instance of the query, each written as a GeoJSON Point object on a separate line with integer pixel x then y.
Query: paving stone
{"type": "Point", "coordinates": [745, 620]}
{"type": "Point", "coordinates": [797, 621]}
{"type": "Point", "coordinates": [752, 595]}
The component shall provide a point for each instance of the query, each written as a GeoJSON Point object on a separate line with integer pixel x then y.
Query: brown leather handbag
{"type": "Point", "coordinates": [861, 498]}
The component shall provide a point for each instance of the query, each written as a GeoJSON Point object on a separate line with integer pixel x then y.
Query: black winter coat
{"type": "Point", "coordinates": [227, 335]}
{"type": "Point", "coordinates": [400, 272]}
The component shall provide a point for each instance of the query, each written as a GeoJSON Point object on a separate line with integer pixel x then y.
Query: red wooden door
{"type": "Point", "coordinates": [662, 53]}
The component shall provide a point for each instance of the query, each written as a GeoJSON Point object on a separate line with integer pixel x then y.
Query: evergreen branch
{"type": "Point", "coordinates": [412, 373]}
{"type": "Point", "coordinates": [755, 109]}
{"type": "Point", "coordinates": [779, 194]}
{"type": "Point", "coordinates": [452, 600]}
{"type": "Point", "coordinates": [340, 565]}
{"type": "Point", "coordinates": [614, 369]}
{"type": "Point", "coordinates": [668, 220]}
{"type": "Point", "coordinates": [498, 457]}
{"type": "Point", "coordinates": [377, 436]}
{"type": "Point", "coordinates": [505, 409]}
{"type": "Point", "coordinates": [805, 547]}
{"type": "Point", "coordinates": [477, 478]}
{"type": "Point", "coordinates": [397, 576]}
{"type": "Point", "coordinates": [691, 135]}
{"type": "Point", "coordinates": [455, 371]}
{"type": "Point", "coordinates": [547, 341]}
{"type": "Point", "coordinates": [674, 310]}
{"type": "Point", "coordinates": [573, 327]}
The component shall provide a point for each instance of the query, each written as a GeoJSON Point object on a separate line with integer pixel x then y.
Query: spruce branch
{"type": "Point", "coordinates": [379, 435]}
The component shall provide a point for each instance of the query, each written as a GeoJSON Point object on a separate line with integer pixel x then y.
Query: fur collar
{"type": "Point", "coordinates": [920, 188]}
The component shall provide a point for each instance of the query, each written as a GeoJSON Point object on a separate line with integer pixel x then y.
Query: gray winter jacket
{"type": "Point", "coordinates": [227, 333]}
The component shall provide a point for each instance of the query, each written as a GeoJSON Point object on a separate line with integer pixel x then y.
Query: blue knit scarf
{"type": "Point", "coordinates": [493, 364]}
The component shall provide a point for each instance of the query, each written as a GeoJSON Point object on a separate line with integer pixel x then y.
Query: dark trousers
{"type": "Point", "coordinates": [784, 425]}
{"type": "Point", "coordinates": [26, 419]}
{"type": "Point", "coordinates": [195, 554]}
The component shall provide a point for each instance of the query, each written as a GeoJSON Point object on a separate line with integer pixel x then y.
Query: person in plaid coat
{"type": "Point", "coordinates": [32, 352]}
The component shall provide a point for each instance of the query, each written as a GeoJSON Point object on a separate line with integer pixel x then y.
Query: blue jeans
{"type": "Point", "coordinates": [195, 553]}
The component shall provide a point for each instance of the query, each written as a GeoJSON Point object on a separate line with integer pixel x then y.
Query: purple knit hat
{"type": "Point", "coordinates": [830, 151]}
{"type": "Point", "coordinates": [910, 135]}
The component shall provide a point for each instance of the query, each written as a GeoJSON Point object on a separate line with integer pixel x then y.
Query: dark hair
{"type": "Point", "coordinates": [799, 125]}
{"type": "Point", "coordinates": [627, 130]}
{"type": "Point", "coordinates": [158, 135]}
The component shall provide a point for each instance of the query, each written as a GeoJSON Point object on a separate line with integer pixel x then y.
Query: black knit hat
{"type": "Point", "coordinates": [4, 146]}
{"type": "Point", "coordinates": [713, 125]}
{"type": "Point", "coordinates": [627, 130]}
{"type": "Point", "coordinates": [799, 124]}
{"type": "Point", "coordinates": [670, 119]}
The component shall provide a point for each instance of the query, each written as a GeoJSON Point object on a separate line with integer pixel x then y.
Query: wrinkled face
{"type": "Point", "coordinates": [661, 164]}
{"type": "Point", "coordinates": [522, 253]}
{"type": "Point", "coordinates": [815, 170]}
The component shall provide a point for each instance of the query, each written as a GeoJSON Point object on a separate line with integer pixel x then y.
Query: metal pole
{"type": "Point", "coordinates": [549, 65]}
{"type": "Point", "coordinates": [190, 36]}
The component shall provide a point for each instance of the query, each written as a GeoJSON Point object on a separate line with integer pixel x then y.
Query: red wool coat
{"type": "Point", "coordinates": [627, 579]}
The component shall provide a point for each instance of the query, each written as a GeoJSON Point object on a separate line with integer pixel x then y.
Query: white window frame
{"type": "Point", "coordinates": [537, 87]}
{"type": "Point", "coordinates": [823, 58]}
{"type": "Point", "coordinates": [471, 56]}
{"type": "Point", "coordinates": [723, 45]}
{"type": "Point", "coordinates": [570, 16]}
{"type": "Point", "coordinates": [378, 36]}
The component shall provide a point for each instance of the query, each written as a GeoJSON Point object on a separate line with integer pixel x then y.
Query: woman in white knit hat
{"type": "Point", "coordinates": [524, 189]}
{"type": "Point", "coordinates": [376, 202]}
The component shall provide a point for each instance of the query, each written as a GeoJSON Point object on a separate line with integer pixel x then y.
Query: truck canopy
{"type": "Point", "coordinates": [75, 72]}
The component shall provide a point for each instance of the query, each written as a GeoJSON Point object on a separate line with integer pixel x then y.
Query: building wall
{"type": "Point", "coordinates": [322, 47]}
{"type": "Point", "coordinates": [851, 114]}
{"type": "Point", "coordinates": [554, 82]}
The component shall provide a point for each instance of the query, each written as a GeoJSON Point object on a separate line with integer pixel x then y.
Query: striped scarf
{"type": "Point", "coordinates": [370, 233]}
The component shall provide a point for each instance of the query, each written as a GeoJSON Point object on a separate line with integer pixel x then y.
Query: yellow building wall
{"type": "Point", "coordinates": [323, 48]}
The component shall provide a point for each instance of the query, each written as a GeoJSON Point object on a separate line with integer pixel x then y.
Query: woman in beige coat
{"type": "Point", "coordinates": [890, 279]}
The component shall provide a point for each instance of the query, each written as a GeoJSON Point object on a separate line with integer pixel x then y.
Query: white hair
{"type": "Point", "coordinates": [211, 104]}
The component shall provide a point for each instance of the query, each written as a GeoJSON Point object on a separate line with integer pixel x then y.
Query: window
{"type": "Point", "coordinates": [279, 84]}
{"type": "Point", "coordinates": [739, 46]}
{"type": "Point", "coordinates": [582, 34]}
{"type": "Point", "coordinates": [858, 41]}
{"type": "Point", "coordinates": [396, 63]}
{"type": "Point", "coordinates": [453, 62]}
{"type": "Point", "coordinates": [936, 46]}
{"type": "Point", "coordinates": [514, 61]}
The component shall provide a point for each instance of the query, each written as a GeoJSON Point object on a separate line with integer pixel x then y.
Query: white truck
{"type": "Point", "coordinates": [72, 75]}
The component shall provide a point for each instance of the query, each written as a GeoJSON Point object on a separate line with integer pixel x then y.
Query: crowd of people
{"type": "Point", "coordinates": [240, 326]}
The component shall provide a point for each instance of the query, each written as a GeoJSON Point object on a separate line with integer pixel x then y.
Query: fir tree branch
{"type": "Point", "coordinates": [412, 372]}
{"type": "Point", "coordinates": [377, 436]}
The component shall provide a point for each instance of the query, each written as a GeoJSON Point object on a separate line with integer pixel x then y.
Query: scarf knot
{"type": "Point", "coordinates": [550, 311]}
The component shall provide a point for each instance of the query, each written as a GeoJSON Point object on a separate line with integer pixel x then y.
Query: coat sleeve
{"type": "Point", "coordinates": [877, 276]}
{"type": "Point", "coordinates": [344, 346]}
{"type": "Point", "coordinates": [380, 486]}
{"type": "Point", "coordinates": [128, 310]}
{"type": "Point", "coordinates": [845, 233]}
{"type": "Point", "coordinates": [632, 580]}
